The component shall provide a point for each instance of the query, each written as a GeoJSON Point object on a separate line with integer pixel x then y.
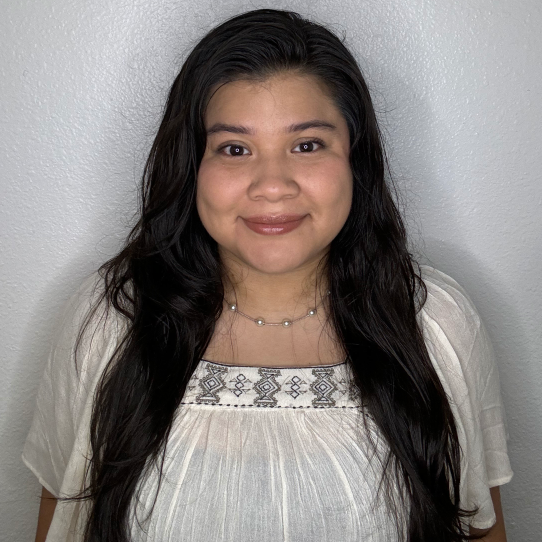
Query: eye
{"type": "Point", "coordinates": [236, 149]}
{"type": "Point", "coordinates": [307, 147]}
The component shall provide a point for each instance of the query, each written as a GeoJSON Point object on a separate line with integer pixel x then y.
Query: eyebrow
{"type": "Point", "coordinates": [298, 127]}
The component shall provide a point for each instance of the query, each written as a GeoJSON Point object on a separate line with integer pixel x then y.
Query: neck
{"type": "Point", "coordinates": [274, 296]}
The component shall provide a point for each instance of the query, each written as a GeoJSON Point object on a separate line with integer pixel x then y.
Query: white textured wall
{"type": "Point", "coordinates": [458, 85]}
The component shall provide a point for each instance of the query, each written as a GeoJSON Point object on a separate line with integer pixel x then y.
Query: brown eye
{"type": "Point", "coordinates": [236, 150]}
{"type": "Point", "coordinates": [309, 146]}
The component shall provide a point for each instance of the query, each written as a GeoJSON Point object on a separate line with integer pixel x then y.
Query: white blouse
{"type": "Point", "coordinates": [270, 453]}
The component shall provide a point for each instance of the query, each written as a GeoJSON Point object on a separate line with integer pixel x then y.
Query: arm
{"type": "Point", "coordinates": [47, 509]}
{"type": "Point", "coordinates": [497, 533]}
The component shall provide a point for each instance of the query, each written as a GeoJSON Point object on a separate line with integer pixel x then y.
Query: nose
{"type": "Point", "coordinates": [272, 180]}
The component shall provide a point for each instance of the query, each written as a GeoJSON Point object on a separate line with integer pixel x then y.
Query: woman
{"type": "Point", "coordinates": [263, 360]}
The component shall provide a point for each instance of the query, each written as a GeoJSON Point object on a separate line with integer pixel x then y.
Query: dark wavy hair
{"type": "Point", "coordinates": [167, 282]}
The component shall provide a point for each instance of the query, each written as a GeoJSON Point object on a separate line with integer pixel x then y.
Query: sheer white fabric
{"type": "Point", "coordinates": [268, 454]}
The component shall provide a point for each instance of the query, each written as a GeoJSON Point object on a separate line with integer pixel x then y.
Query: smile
{"type": "Point", "coordinates": [274, 225]}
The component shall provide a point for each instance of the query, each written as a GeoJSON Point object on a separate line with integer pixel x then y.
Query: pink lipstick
{"type": "Point", "coordinates": [273, 225]}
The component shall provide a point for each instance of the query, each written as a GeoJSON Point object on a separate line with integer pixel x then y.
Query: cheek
{"type": "Point", "coordinates": [208, 199]}
{"type": "Point", "coordinates": [216, 193]}
{"type": "Point", "coordinates": [335, 191]}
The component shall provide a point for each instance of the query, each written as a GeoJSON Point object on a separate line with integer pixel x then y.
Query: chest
{"type": "Point", "coordinates": [306, 343]}
{"type": "Point", "coordinates": [266, 474]}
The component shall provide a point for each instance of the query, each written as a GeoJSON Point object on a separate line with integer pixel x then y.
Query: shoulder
{"type": "Point", "coordinates": [452, 326]}
{"type": "Point", "coordinates": [447, 302]}
{"type": "Point", "coordinates": [463, 357]}
{"type": "Point", "coordinates": [453, 330]}
{"type": "Point", "coordinates": [88, 332]}
{"type": "Point", "coordinates": [456, 338]}
{"type": "Point", "coordinates": [88, 308]}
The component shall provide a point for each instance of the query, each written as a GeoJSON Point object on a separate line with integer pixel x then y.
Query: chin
{"type": "Point", "coordinates": [277, 262]}
{"type": "Point", "coordinates": [273, 267]}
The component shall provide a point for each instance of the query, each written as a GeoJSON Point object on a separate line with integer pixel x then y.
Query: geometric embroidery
{"type": "Point", "coordinates": [295, 387]}
{"type": "Point", "coordinates": [214, 383]}
{"type": "Point", "coordinates": [211, 384]}
{"type": "Point", "coordinates": [345, 388]}
{"type": "Point", "coordinates": [323, 387]}
{"type": "Point", "coordinates": [239, 385]}
{"type": "Point", "coordinates": [267, 386]}
{"type": "Point", "coordinates": [351, 391]}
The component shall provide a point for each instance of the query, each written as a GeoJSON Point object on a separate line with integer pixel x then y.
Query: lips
{"type": "Point", "coordinates": [274, 224]}
{"type": "Point", "coordinates": [273, 219]}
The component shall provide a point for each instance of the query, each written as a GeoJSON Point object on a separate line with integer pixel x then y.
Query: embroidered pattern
{"type": "Point", "coordinates": [267, 386]}
{"type": "Point", "coordinates": [219, 384]}
{"type": "Point", "coordinates": [211, 384]}
{"type": "Point", "coordinates": [323, 387]}
{"type": "Point", "coordinates": [239, 383]}
{"type": "Point", "coordinates": [295, 384]}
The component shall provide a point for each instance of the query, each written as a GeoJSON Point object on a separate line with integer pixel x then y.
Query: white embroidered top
{"type": "Point", "coordinates": [270, 453]}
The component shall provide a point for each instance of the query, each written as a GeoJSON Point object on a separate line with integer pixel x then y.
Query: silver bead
{"type": "Point", "coordinates": [311, 312]}
{"type": "Point", "coordinates": [286, 323]}
{"type": "Point", "coordinates": [260, 321]}
{"type": "Point", "coordinates": [233, 307]}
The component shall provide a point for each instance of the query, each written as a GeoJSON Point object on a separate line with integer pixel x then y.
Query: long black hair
{"type": "Point", "coordinates": [167, 283]}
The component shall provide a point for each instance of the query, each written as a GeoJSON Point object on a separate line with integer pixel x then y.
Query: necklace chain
{"type": "Point", "coordinates": [287, 322]}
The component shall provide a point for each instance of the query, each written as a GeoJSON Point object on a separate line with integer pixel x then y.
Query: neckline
{"type": "Point", "coordinates": [292, 367]}
{"type": "Point", "coordinates": [218, 384]}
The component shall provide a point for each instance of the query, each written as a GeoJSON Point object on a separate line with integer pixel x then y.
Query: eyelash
{"type": "Point", "coordinates": [313, 140]}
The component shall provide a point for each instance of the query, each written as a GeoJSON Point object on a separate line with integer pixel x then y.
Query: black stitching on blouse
{"type": "Point", "coordinates": [265, 406]}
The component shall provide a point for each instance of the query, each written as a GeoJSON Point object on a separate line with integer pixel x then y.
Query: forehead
{"type": "Point", "coordinates": [280, 97]}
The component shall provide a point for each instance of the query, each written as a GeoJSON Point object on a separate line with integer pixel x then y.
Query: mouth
{"type": "Point", "coordinates": [273, 219]}
{"type": "Point", "coordinates": [274, 224]}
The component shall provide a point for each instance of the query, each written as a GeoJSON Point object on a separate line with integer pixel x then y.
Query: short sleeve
{"type": "Point", "coordinates": [66, 388]}
{"type": "Point", "coordinates": [463, 357]}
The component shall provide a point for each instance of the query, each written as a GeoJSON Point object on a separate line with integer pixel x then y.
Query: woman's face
{"type": "Point", "coordinates": [272, 192]}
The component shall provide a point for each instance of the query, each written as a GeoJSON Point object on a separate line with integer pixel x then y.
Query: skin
{"type": "Point", "coordinates": [47, 509]}
{"type": "Point", "coordinates": [274, 276]}
{"type": "Point", "coordinates": [274, 172]}
{"type": "Point", "coordinates": [497, 533]}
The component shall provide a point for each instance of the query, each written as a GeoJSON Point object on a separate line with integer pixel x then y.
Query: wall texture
{"type": "Point", "coordinates": [458, 86]}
